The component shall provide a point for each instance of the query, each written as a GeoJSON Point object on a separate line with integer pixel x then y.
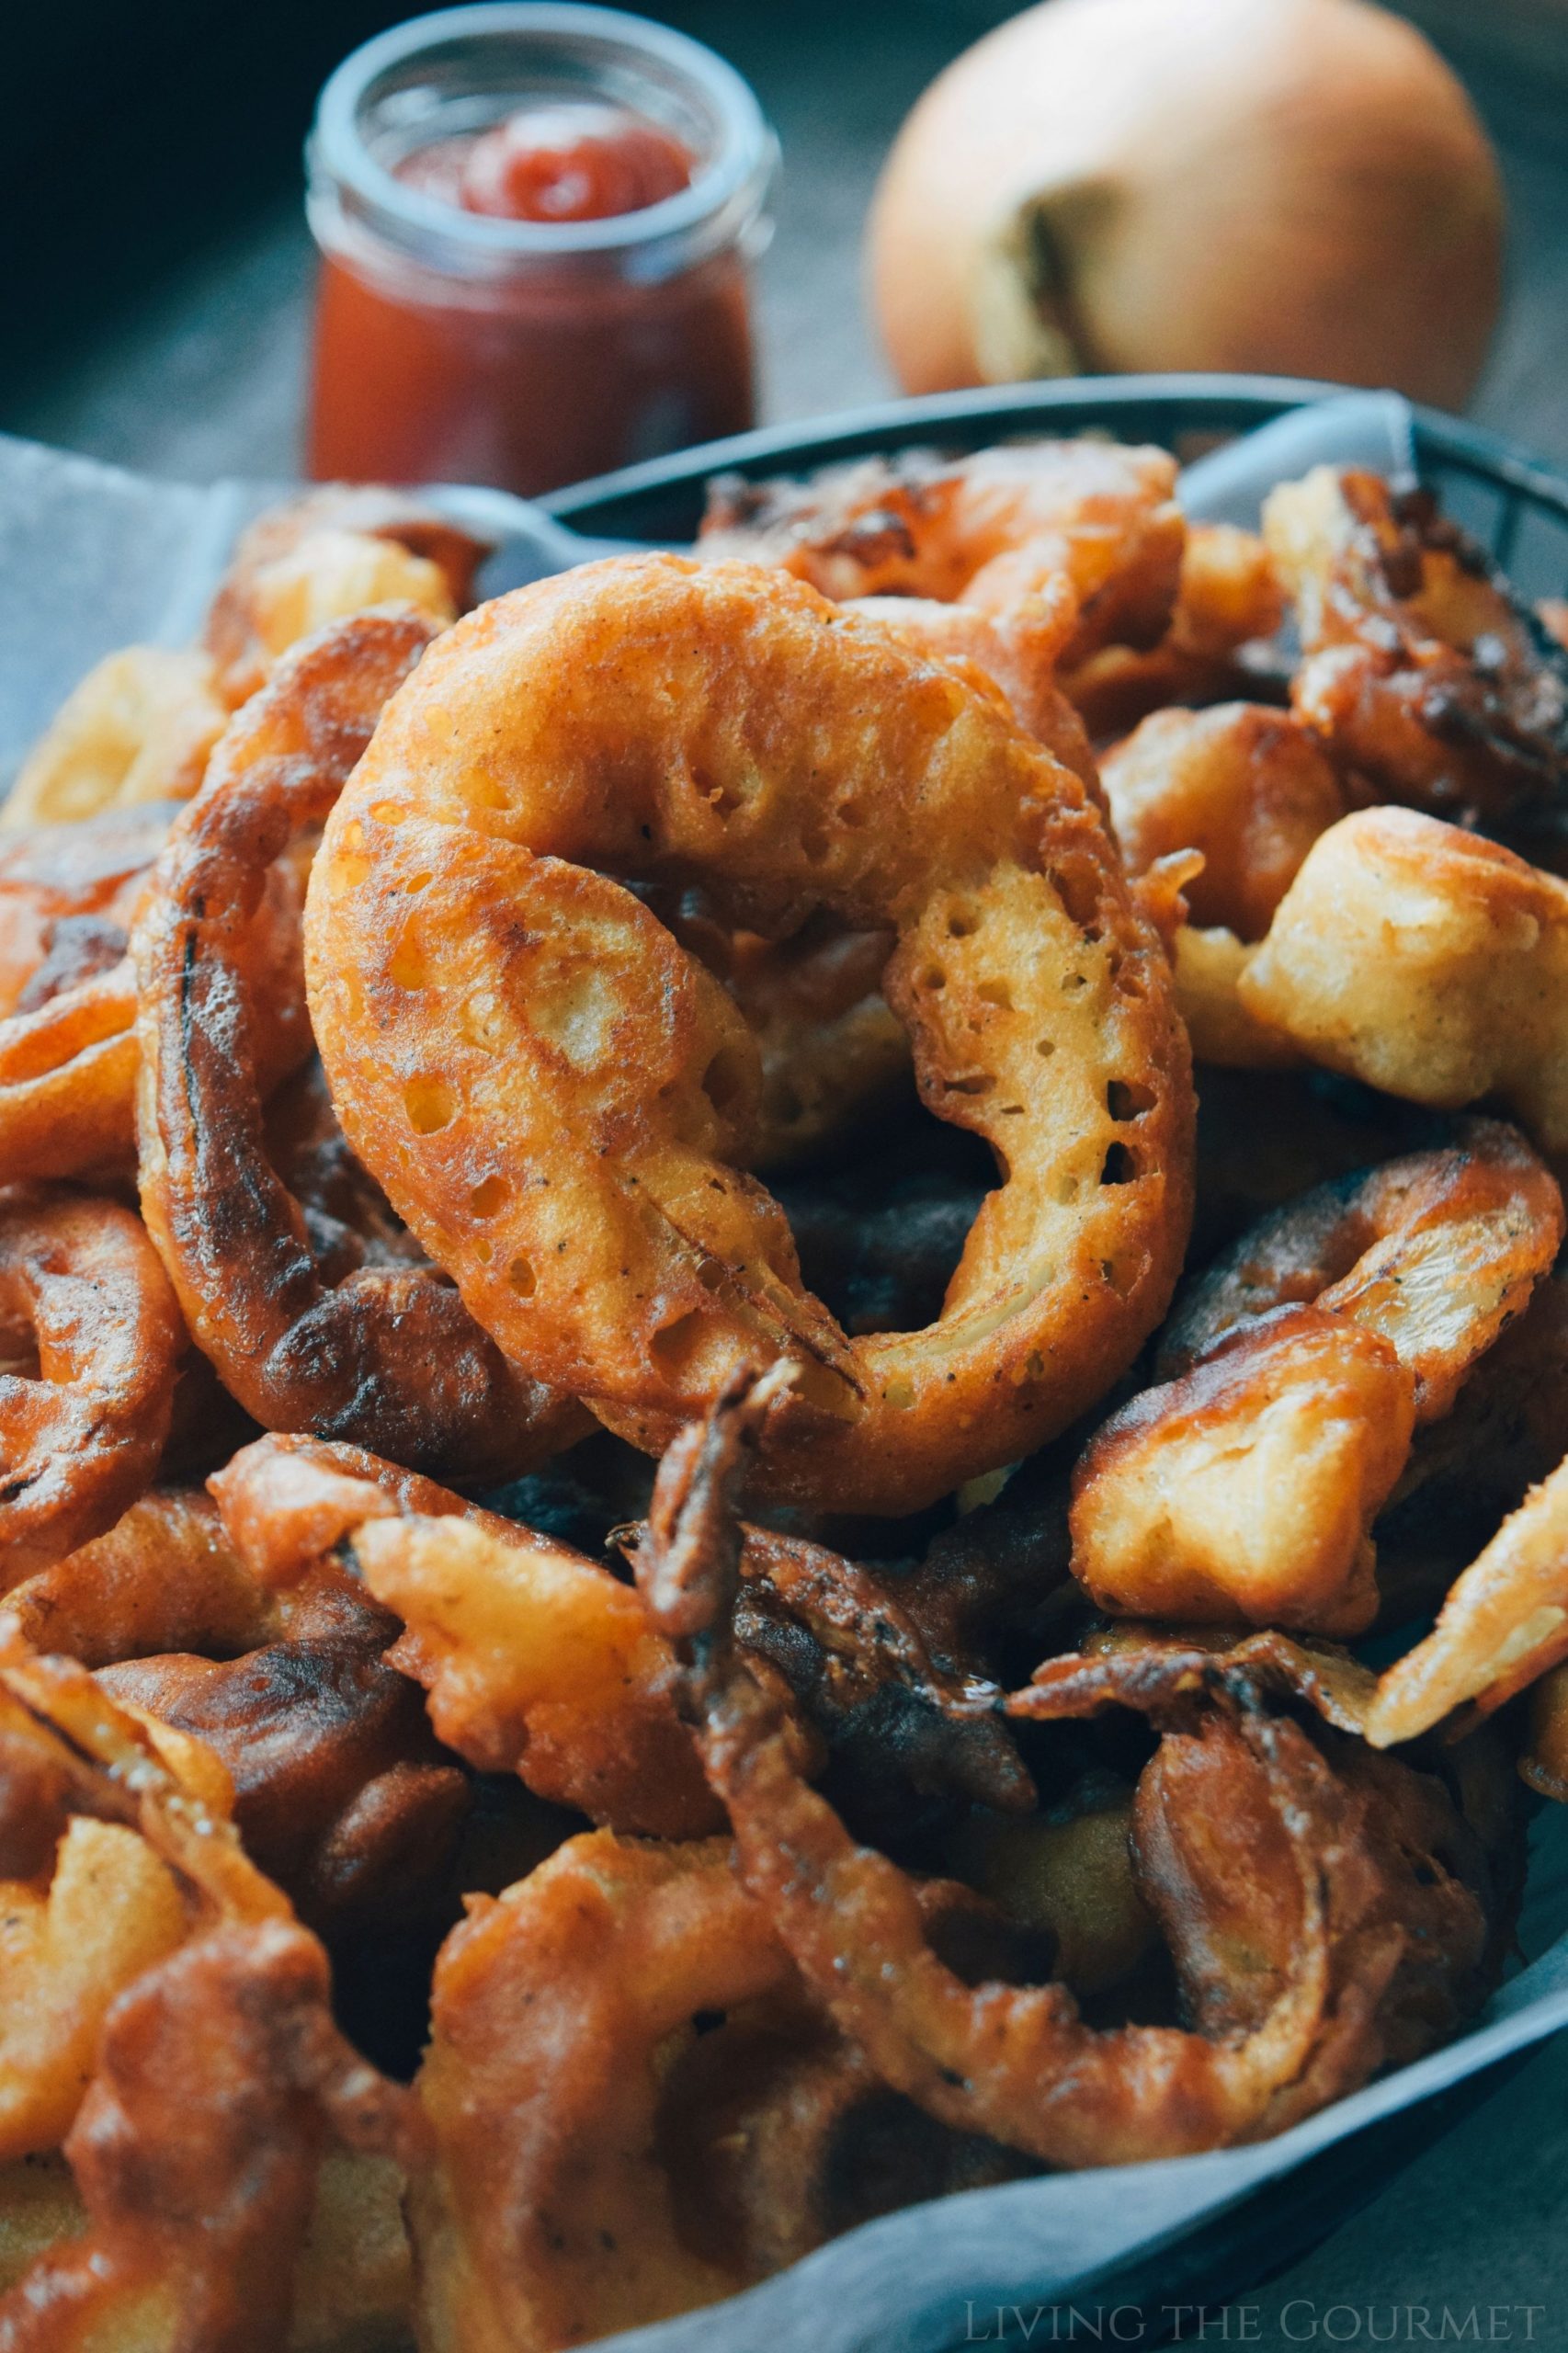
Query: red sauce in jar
{"type": "Point", "coordinates": [563, 369]}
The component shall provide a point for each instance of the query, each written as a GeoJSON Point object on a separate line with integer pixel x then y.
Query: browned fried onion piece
{"type": "Point", "coordinates": [1367, 1947]}
{"type": "Point", "coordinates": [387, 1355]}
{"type": "Point", "coordinates": [79, 1440]}
{"type": "Point", "coordinates": [220, 2074]}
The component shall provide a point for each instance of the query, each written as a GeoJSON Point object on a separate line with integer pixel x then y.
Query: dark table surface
{"type": "Point", "coordinates": [183, 354]}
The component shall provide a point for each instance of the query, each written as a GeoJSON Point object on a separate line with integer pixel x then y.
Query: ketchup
{"type": "Point", "coordinates": [577, 160]}
{"type": "Point", "coordinates": [530, 318]}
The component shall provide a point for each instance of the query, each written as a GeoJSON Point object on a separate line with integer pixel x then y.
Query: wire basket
{"type": "Point", "coordinates": [1512, 503]}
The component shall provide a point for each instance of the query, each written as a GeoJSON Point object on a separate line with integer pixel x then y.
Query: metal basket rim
{"type": "Point", "coordinates": [1196, 400]}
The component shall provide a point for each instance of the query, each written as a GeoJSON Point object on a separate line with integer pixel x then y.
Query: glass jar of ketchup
{"type": "Point", "coordinates": [535, 225]}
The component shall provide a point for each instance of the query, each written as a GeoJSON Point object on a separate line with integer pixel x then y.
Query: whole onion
{"type": "Point", "coordinates": [1296, 187]}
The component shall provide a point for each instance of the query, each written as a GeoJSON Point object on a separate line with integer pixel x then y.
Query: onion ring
{"type": "Point", "coordinates": [991, 530]}
{"type": "Point", "coordinates": [1247, 1485]}
{"type": "Point", "coordinates": [83, 1439]}
{"type": "Point", "coordinates": [585, 1210]}
{"type": "Point", "coordinates": [547, 2218]}
{"type": "Point", "coordinates": [385, 1355]}
{"type": "Point", "coordinates": [1342, 1913]}
{"type": "Point", "coordinates": [165, 1578]}
{"type": "Point", "coordinates": [55, 881]}
{"type": "Point", "coordinates": [322, 558]}
{"type": "Point", "coordinates": [140, 727]}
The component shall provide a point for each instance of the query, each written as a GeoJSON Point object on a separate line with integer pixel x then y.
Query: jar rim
{"type": "Point", "coordinates": [734, 180]}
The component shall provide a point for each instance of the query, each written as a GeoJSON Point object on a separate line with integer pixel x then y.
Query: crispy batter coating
{"type": "Point", "coordinates": [109, 1910]}
{"type": "Point", "coordinates": [535, 1660]}
{"type": "Point", "coordinates": [1422, 674]}
{"type": "Point", "coordinates": [1245, 785]}
{"type": "Point", "coordinates": [1503, 1626]}
{"type": "Point", "coordinates": [320, 558]}
{"type": "Point", "coordinates": [548, 1088]}
{"type": "Point", "coordinates": [80, 1281]}
{"type": "Point", "coordinates": [67, 891]}
{"type": "Point", "coordinates": [386, 1354]}
{"type": "Point", "coordinates": [1367, 1947]}
{"type": "Point", "coordinates": [547, 2218]}
{"type": "Point", "coordinates": [68, 1061]}
{"type": "Point", "coordinates": [1229, 601]}
{"type": "Point", "coordinates": [993, 529]}
{"type": "Point", "coordinates": [217, 2075]}
{"type": "Point", "coordinates": [1439, 1251]}
{"type": "Point", "coordinates": [140, 727]}
{"type": "Point", "coordinates": [1427, 962]}
{"type": "Point", "coordinates": [165, 1578]}
{"type": "Point", "coordinates": [1247, 1485]}
{"type": "Point", "coordinates": [341, 1793]}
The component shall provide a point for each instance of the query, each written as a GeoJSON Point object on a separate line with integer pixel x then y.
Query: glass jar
{"type": "Point", "coordinates": [454, 346]}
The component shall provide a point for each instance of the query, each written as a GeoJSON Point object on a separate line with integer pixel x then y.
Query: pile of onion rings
{"type": "Point", "coordinates": [728, 1289]}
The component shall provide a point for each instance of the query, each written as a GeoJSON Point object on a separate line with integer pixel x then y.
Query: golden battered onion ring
{"type": "Point", "coordinates": [546, 2217]}
{"type": "Point", "coordinates": [68, 1065]}
{"type": "Point", "coordinates": [1422, 674]}
{"type": "Point", "coordinates": [1426, 961]}
{"type": "Point", "coordinates": [324, 557]}
{"type": "Point", "coordinates": [545, 1086]}
{"type": "Point", "coordinates": [138, 727]}
{"type": "Point", "coordinates": [60, 882]}
{"type": "Point", "coordinates": [1503, 1626]}
{"type": "Point", "coordinates": [535, 1660]}
{"type": "Point", "coordinates": [1367, 1948]}
{"type": "Point", "coordinates": [1245, 785]}
{"type": "Point", "coordinates": [992, 530]}
{"type": "Point", "coordinates": [1246, 1487]}
{"type": "Point", "coordinates": [387, 1353]}
{"type": "Point", "coordinates": [82, 1439]}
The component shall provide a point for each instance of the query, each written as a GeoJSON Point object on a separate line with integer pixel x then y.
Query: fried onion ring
{"type": "Point", "coordinates": [1229, 602]}
{"type": "Point", "coordinates": [1360, 1937]}
{"type": "Point", "coordinates": [82, 1439]}
{"type": "Point", "coordinates": [1426, 961]}
{"type": "Point", "coordinates": [990, 530]}
{"type": "Point", "coordinates": [547, 2218]}
{"type": "Point", "coordinates": [138, 727]}
{"type": "Point", "coordinates": [322, 558]}
{"type": "Point", "coordinates": [387, 1355]}
{"type": "Point", "coordinates": [545, 1086]}
{"type": "Point", "coordinates": [1247, 1486]}
{"type": "Point", "coordinates": [220, 2072]}
{"type": "Point", "coordinates": [165, 1578]}
{"type": "Point", "coordinates": [66, 893]}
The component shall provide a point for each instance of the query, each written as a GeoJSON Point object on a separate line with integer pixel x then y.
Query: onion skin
{"type": "Point", "coordinates": [1293, 187]}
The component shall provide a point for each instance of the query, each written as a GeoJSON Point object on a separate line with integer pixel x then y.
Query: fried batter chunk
{"type": "Point", "coordinates": [1421, 674]}
{"type": "Point", "coordinates": [1425, 962]}
{"type": "Point", "coordinates": [1247, 1485]}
